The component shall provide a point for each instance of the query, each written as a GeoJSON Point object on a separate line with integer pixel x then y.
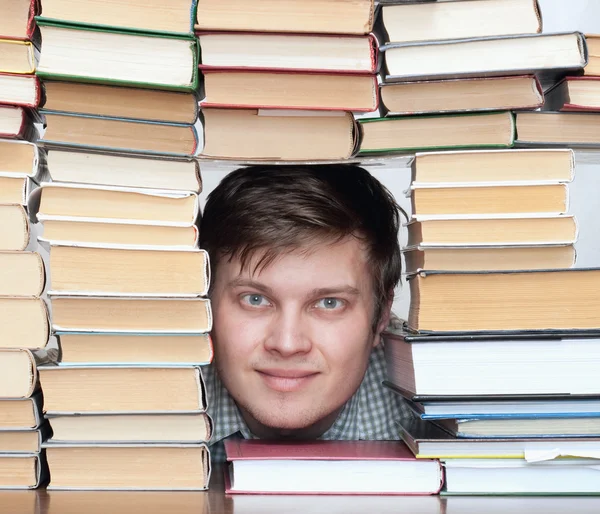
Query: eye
{"type": "Point", "coordinates": [255, 300]}
{"type": "Point", "coordinates": [330, 304]}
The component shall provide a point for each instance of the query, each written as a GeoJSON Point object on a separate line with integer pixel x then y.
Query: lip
{"type": "Point", "coordinates": [286, 381]}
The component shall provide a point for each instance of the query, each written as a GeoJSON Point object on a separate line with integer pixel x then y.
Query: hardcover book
{"type": "Point", "coordinates": [17, 56]}
{"type": "Point", "coordinates": [21, 274]}
{"type": "Point", "coordinates": [21, 413]}
{"type": "Point", "coordinates": [576, 129]}
{"type": "Point", "coordinates": [22, 471]}
{"type": "Point", "coordinates": [24, 320]}
{"type": "Point", "coordinates": [20, 90]}
{"type": "Point", "coordinates": [17, 21]}
{"type": "Point", "coordinates": [19, 371]}
{"type": "Point", "coordinates": [14, 228]}
{"type": "Point", "coordinates": [574, 94]}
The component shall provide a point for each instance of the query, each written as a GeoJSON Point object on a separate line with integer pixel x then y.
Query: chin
{"type": "Point", "coordinates": [283, 420]}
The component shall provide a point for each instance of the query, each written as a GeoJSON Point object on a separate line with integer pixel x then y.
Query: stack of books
{"type": "Point", "coordinates": [281, 79]}
{"type": "Point", "coordinates": [127, 283]}
{"type": "Point", "coordinates": [453, 72]}
{"type": "Point", "coordinates": [499, 355]}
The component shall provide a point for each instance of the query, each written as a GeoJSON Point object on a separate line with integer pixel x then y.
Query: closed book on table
{"type": "Point", "coordinates": [120, 102]}
{"type": "Point", "coordinates": [24, 321]}
{"type": "Point", "coordinates": [249, 134]}
{"type": "Point", "coordinates": [175, 17]}
{"type": "Point", "coordinates": [19, 158]}
{"type": "Point", "coordinates": [17, 56]}
{"type": "Point", "coordinates": [574, 94]}
{"type": "Point", "coordinates": [455, 95]}
{"type": "Point", "coordinates": [18, 366]}
{"type": "Point", "coordinates": [188, 427]}
{"type": "Point", "coordinates": [106, 271]}
{"type": "Point", "coordinates": [291, 52]}
{"type": "Point", "coordinates": [129, 349]}
{"type": "Point", "coordinates": [21, 274]}
{"type": "Point", "coordinates": [122, 389]}
{"type": "Point", "coordinates": [76, 202]}
{"type": "Point", "coordinates": [122, 135]}
{"type": "Point", "coordinates": [23, 441]}
{"type": "Point", "coordinates": [22, 90]}
{"type": "Point", "coordinates": [21, 413]}
{"type": "Point", "coordinates": [69, 165]}
{"type": "Point", "coordinates": [22, 471]}
{"type": "Point", "coordinates": [14, 228]}
{"type": "Point", "coordinates": [126, 58]}
{"type": "Point", "coordinates": [164, 467]}
{"type": "Point", "coordinates": [295, 90]}
{"type": "Point", "coordinates": [17, 122]}
{"type": "Point", "coordinates": [578, 129]}
{"type": "Point", "coordinates": [428, 21]}
{"type": "Point", "coordinates": [410, 133]}
{"type": "Point", "coordinates": [492, 231]}
{"type": "Point", "coordinates": [131, 315]}
{"type": "Point", "coordinates": [593, 65]}
{"type": "Point", "coordinates": [328, 467]}
{"type": "Point", "coordinates": [15, 190]}
{"type": "Point", "coordinates": [314, 16]}
{"type": "Point", "coordinates": [17, 18]}
{"type": "Point", "coordinates": [550, 55]}
{"type": "Point", "coordinates": [513, 301]}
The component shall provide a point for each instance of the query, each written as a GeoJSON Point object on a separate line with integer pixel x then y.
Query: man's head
{"type": "Point", "coordinates": [305, 260]}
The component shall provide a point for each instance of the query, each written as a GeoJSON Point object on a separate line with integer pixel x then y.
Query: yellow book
{"type": "Point", "coordinates": [17, 56]}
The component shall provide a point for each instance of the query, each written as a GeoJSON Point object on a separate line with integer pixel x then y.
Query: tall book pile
{"type": "Point", "coordinates": [281, 79]}
{"type": "Point", "coordinates": [127, 282]}
{"type": "Point", "coordinates": [498, 358]}
{"type": "Point", "coordinates": [23, 313]}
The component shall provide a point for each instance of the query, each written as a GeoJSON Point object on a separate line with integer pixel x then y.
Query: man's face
{"type": "Point", "coordinates": [293, 339]}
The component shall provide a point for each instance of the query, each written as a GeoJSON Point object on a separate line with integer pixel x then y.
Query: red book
{"type": "Point", "coordinates": [577, 94]}
{"type": "Point", "coordinates": [17, 18]}
{"type": "Point", "coordinates": [328, 467]}
{"type": "Point", "coordinates": [20, 90]}
{"type": "Point", "coordinates": [16, 122]}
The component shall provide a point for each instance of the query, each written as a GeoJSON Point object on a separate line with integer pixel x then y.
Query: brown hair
{"type": "Point", "coordinates": [274, 209]}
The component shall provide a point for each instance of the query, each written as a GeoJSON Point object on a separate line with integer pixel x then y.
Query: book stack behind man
{"type": "Point", "coordinates": [453, 72]}
{"type": "Point", "coordinates": [502, 341]}
{"type": "Point", "coordinates": [281, 79]}
{"type": "Point", "coordinates": [127, 281]}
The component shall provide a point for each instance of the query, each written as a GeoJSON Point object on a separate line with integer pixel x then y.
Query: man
{"type": "Point", "coordinates": [304, 260]}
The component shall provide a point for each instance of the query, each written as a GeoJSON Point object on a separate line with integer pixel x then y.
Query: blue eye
{"type": "Point", "coordinates": [255, 300]}
{"type": "Point", "coordinates": [329, 303]}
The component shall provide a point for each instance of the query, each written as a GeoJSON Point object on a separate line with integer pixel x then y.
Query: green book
{"type": "Point", "coordinates": [437, 132]}
{"type": "Point", "coordinates": [112, 56]}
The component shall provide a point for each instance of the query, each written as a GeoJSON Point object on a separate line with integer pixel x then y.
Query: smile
{"type": "Point", "coordinates": [286, 381]}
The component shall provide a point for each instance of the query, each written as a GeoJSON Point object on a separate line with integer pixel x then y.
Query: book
{"type": "Point", "coordinates": [120, 102]}
{"type": "Point", "coordinates": [576, 129]}
{"type": "Point", "coordinates": [565, 476]}
{"type": "Point", "coordinates": [23, 441]}
{"type": "Point", "coordinates": [121, 234]}
{"type": "Point", "coordinates": [96, 132]}
{"type": "Point", "coordinates": [493, 366]}
{"type": "Point", "coordinates": [282, 90]}
{"type": "Point", "coordinates": [131, 315]}
{"type": "Point", "coordinates": [14, 227]}
{"type": "Point", "coordinates": [318, 16]}
{"type": "Point", "coordinates": [410, 133]}
{"type": "Point", "coordinates": [427, 441]}
{"type": "Point", "coordinates": [19, 159]}
{"type": "Point", "coordinates": [122, 389]}
{"type": "Point", "coordinates": [492, 258]}
{"type": "Point", "coordinates": [328, 467]}
{"type": "Point", "coordinates": [72, 202]}
{"type": "Point", "coordinates": [19, 375]}
{"type": "Point", "coordinates": [144, 60]}
{"type": "Point", "coordinates": [428, 21]}
{"type": "Point", "coordinates": [17, 56]}
{"type": "Point", "coordinates": [513, 301]}
{"type": "Point", "coordinates": [21, 413]}
{"type": "Point", "coordinates": [131, 428]}
{"type": "Point", "coordinates": [24, 321]}
{"type": "Point", "coordinates": [574, 94]}
{"type": "Point", "coordinates": [15, 190]}
{"type": "Point", "coordinates": [168, 467]}
{"type": "Point", "coordinates": [129, 349]}
{"type": "Point", "coordinates": [67, 165]}
{"type": "Point", "coordinates": [16, 122]}
{"type": "Point", "coordinates": [22, 471]}
{"type": "Point", "coordinates": [21, 274]}
{"type": "Point", "coordinates": [593, 65]}
{"type": "Point", "coordinates": [523, 427]}
{"type": "Point", "coordinates": [467, 95]}
{"type": "Point", "coordinates": [176, 17]}
{"type": "Point", "coordinates": [291, 52]}
{"type": "Point", "coordinates": [548, 54]}
{"type": "Point", "coordinates": [537, 166]}
{"type": "Point", "coordinates": [113, 271]}
{"type": "Point", "coordinates": [250, 134]}
{"type": "Point", "coordinates": [492, 231]}
{"type": "Point", "coordinates": [21, 90]}
{"type": "Point", "coordinates": [17, 19]}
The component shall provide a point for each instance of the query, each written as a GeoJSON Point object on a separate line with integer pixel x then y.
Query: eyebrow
{"type": "Point", "coordinates": [322, 291]}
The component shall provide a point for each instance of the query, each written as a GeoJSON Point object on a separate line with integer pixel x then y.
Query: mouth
{"type": "Point", "coordinates": [286, 381]}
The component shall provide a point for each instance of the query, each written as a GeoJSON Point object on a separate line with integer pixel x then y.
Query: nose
{"type": "Point", "coordinates": [288, 334]}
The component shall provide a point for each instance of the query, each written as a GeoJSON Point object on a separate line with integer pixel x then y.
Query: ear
{"type": "Point", "coordinates": [384, 319]}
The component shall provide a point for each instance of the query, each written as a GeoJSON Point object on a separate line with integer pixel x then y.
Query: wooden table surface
{"type": "Point", "coordinates": [216, 502]}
